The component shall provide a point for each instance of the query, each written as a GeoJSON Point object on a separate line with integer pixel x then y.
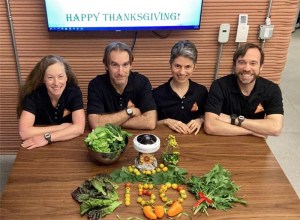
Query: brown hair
{"type": "Point", "coordinates": [116, 46]}
{"type": "Point", "coordinates": [242, 50]}
{"type": "Point", "coordinates": [36, 77]}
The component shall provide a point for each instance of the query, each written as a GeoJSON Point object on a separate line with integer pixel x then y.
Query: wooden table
{"type": "Point", "coordinates": [41, 180]}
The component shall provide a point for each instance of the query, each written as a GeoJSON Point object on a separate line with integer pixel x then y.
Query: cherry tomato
{"type": "Point", "coordinates": [179, 188]}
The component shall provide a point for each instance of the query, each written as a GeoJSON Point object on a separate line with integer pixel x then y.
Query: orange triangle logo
{"type": "Point", "coordinates": [259, 108]}
{"type": "Point", "coordinates": [195, 107]}
{"type": "Point", "coordinates": [66, 112]}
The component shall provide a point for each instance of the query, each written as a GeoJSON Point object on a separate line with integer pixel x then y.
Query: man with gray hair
{"type": "Point", "coordinates": [120, 96]}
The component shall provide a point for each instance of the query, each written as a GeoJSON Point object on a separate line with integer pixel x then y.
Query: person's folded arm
{"type": "Point", "coordinates": [146, 121]}
{"type": "Point", "coordinates": [216, 125]}
{"type": "Point", "coordinates": [116, 118]}
{"type": "Point", "coordinates": [27, 130]}
{"type": "Point", "coordinates": [61, 132]}
{"type": "Point", "coordinates": [271, 125]}
{"type": "Point", "coordinates": [74, 130]}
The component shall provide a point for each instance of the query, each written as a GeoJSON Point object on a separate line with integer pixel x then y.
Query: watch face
{"type": "Point", "coordinates": [48, 137]}
{"type": "Point", "coordinates": [129, 111]}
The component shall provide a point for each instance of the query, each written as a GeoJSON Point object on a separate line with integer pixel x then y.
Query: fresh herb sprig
{"type": "Point", "coordinates": [174, 175]}
{"type": "Point", "coordinates": [214, 189]}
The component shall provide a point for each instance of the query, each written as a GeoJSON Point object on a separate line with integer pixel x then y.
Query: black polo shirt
{"type": "Point", "coordinates": [170, 105]}
{"type": "Point", "coordinates": [226, 97]}
{"type": "Point", "coordinates": [103, 97]}
{"type": "Point", "coordinates": [39, 104]}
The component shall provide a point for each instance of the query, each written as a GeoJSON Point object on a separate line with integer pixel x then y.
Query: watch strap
{"type": "Point", "coordinates": [47, 136]}
{"type": "Point", "coordinates": [233, 117]}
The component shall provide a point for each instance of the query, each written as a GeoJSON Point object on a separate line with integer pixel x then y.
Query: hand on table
{"type": "Point", "coordinates": [37, 141]}
{"type": "Point", "coordinates": [195, 125]}
{"type": "Point", "coordinates": [177, 126]}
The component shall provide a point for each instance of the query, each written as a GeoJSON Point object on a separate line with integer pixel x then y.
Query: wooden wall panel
{"type": "Point", "coordinates": [84, 50]}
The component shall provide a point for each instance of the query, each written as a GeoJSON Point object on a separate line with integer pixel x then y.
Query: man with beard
{"type": "Point", "coordinates": [244, 103]}
{"type": "Point", "coordinates": [120, 96]}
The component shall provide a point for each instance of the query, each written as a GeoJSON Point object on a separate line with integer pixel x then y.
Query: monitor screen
{"type": "Point", "coordinates": [123, 15]}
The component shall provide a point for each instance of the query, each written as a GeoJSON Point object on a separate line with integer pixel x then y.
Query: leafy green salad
{"type": "Point", "coordinates": [107, 139]}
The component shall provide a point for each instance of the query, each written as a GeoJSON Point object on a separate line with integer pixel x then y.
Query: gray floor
{"type": "Point", "coordinates": [286, 147]}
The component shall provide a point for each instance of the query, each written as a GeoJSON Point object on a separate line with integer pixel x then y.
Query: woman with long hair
{"type": "Point", "coordinates": [50, 104]}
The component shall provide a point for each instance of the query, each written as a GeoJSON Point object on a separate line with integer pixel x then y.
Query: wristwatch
{"type": "Point", "coordinates": [129, 112]}
{"type": "Point", "coordinates": [47, 136]}
{"type": "Point", "coordinates": [240, 119]}
{"type": "Point", "coordinates": [233, 117]}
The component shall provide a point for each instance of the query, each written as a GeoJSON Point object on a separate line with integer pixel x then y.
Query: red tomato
{"type": "Point", "coordinates": [127, 184]}
{"type": "Point", "coordinates": [179, 188]}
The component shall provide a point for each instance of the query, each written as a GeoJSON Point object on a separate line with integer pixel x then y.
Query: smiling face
{"type": "Point", "coordinates": [248, 67]}
{"type": "Point", "coordinates": [55, 80]}
{"type": "Point", "coordinates": [182, 69]}
{"type": "Point", "coordinates": [119, 68]}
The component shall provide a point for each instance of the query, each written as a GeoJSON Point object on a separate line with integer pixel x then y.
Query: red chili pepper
{"type": "Point", "coordinates": [202, 199]}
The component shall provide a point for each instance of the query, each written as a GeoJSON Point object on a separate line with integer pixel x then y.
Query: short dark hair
{"type": "Point", "coordinates": [116, 46]}
{"type": "Point", "coordinates": [184, 48]}
{"type": "Point", "coordinates": [242, 50]}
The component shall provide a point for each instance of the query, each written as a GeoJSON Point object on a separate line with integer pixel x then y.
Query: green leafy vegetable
{"type": "Point", "coordinates": [94, 203]}
{"type": "Point", "coordinates": [110, 138]}
{"type": "Point", "coordinates": [96, 214]}
{"type": "Point", "coordinates": [97, 196]}
{"type": "Point", "coordinates": [174, 175]}
{"type": "Point", "coordinates": [214, 189]}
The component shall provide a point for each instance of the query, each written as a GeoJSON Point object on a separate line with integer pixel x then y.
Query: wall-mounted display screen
{"type": "Point", "coordinates": [123, 15]}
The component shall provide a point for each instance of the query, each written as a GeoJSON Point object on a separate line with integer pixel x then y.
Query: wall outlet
{"type": "Point", "coordinates": [224, 33]}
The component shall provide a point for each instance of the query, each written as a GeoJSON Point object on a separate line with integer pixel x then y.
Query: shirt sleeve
{"type": "Point", "coordinates": [274, 104]}
{"type": "Point", "coordinates": [215, 99]}
{"type": "Point", "coordinates": [76, 101]}
{"type": "Point", "coordinates": [146, 99]}
{"type": "Point", "coordinates": [95, 103]}
{"type": "Point", "coordinates": [29, 104]}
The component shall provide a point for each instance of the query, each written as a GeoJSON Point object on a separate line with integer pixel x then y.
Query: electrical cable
{"type": "Point", "coordinates": [160, 36]}
{"type": "Point", "coordinates": [134, 40]}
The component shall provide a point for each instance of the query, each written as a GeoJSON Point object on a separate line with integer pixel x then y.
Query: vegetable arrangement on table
{"type": "Point", "coordinates": [214, 189]}
{"type": "Point", "coordinates": [98, 196]}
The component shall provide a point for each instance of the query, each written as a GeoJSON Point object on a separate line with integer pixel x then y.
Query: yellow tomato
{"type": "Point", "coordinates": [174, 185]}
